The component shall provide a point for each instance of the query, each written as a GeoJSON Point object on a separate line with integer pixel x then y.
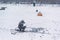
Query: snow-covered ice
{"type": "Point", "coordinates": [10, 17]}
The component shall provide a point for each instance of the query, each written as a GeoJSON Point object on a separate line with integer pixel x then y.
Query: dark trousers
{"type": "Point", "coordinates": [22, 29]}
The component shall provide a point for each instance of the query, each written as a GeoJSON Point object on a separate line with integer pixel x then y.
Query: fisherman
{"type": "Point", "coordinates": [21, 26]}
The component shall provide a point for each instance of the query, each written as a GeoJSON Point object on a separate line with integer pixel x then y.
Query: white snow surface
{"type": "Point", "coordinates": [13, 14]}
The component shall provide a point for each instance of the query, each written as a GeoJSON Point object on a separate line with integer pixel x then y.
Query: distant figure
{"type": "Point", "coordinates": [34, 4]}
{"type": "Point", "coordinates": [21, 26]}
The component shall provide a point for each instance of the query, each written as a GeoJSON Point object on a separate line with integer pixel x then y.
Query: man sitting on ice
{"type": "Point", "coordinates": [21, 26]}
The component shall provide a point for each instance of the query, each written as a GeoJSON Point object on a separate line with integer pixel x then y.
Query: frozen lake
{"type": "Point", "coordinates": [13, 14]}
